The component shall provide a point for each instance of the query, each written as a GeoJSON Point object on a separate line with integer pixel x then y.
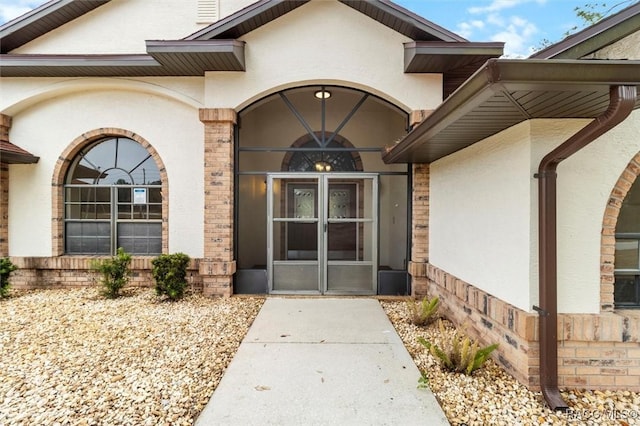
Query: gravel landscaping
{"type": "Point", "coordinates": [71, 357]}
{"type": "Point", "coordinates": [491, 397]}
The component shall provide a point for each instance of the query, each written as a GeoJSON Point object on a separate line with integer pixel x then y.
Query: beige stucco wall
{"type": "Point", "coordinates": [327, 42]}
{"type": "Point", "coordinates": [49, 127]}
{"type": "Point", "coordinates": [626, 48]}
{"type": "Point", "coordinates": [479, 215]}
{"type": "Point", "coordinates": [484, 211]}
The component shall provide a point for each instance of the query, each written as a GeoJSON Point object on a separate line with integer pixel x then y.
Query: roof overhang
{"type": "Point", "coordinates": [41, 20]}
{"type": "Point", "coordinates": [440, 57]}
{"type": "Point", "coordinates": [595, 37]}
{"type": "Point", "coordinates": [12, 154]}
{"type": "Point", "coordinates": [505, 92]}
{"type": "Point", "coordinates": [164, 58]}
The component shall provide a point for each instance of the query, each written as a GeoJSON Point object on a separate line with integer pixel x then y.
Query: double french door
{"type": "Point", "coordinates": [322, 233]}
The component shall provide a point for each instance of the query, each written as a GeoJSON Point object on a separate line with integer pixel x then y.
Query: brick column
{"type": "Point", "coordinates": [420, 218]}
{"type": "Point", "coordinates": [5, 125]}
{"type": "Point", "coordinates": [419, 229]}
{"type": "Point", "coordinates": [218, 266]}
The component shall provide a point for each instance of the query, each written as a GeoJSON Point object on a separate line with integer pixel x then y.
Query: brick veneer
{"type": "Point", "coordinates": [218, 266]}
{"type": "Point", "coordinates": [419, 217]}
{"type": "Point", "coordinates": [5, 125]}
{"type": "Point", "coordinates": [75, 271]}
{"type": "Point", "coordinates": [595, 351]}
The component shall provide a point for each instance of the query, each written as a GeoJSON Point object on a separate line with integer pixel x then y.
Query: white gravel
{"type": "Point", "coordinates": [70, 357]}
{"type": "Point", "coordinates": [492, 397]}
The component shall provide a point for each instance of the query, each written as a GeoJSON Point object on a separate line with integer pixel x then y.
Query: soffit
{"type": "Point", "coordinates": [41, 20]}
{"type": "Point", "coordinates": [503, 93]}
{"type": "Point", "coordinates": [164, 58]}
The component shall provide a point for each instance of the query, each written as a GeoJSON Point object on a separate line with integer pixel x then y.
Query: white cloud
{"type": "Point", "coordinates": [466, 29]}
{"type": "Point", "coordinates": [517, 37]}
{"type": "Point", "coordinates": [10, 9]}
{"type": "Point", "coordinates": [496, 6]}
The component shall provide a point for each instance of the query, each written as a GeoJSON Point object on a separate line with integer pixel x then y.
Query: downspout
{"type": "Point", "coordinates": [621, 102]}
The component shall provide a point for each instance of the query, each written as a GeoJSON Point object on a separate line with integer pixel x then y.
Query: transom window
{"type": "Point", "coordinates": [627, 257]}
{"type": "Point", "coordinates": [113, 199]}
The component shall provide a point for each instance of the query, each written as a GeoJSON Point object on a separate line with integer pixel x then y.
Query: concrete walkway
{"type": "Point", "coordinates": [321, 362]}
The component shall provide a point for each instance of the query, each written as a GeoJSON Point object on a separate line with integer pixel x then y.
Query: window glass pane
{"type": "Point", "coordinates": [626, 254]}
{"type": "Point", "coordinates": [629, 219]}
{"type": "Point", "coordinates": [155, 195]}
{"type": "Point", "coordinates": [140, 211]}
{"type": "Point", "coordinates": [124, 211]}
{"type": "Point", "coordinates": [124, 195]}
{"type": "Point", "coordinates": [155, 212]}
{"type": "Point", "coordinates": [103, 211]}
{"type": "Point", "coordinates": [103, 194]}
{"type": "Point", "coordinates": [625, 290]}
{"type": "Point", "coordinates": [72, 195]}
{"type": "Point", "coordinates": [88, 238]}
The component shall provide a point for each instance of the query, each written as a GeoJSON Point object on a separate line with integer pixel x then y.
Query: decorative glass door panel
{"type": "Point", "coordinates": [322, 233]}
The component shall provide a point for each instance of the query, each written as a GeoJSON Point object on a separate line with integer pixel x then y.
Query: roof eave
{"type": "Point", "coordinates": [595, 37]}
{"type": "Point", "coordinates": [496, 75]}
{"type": "Point", "coordinates": [419, 55]}
{"type": "Point", "coordinates": [41, 20]}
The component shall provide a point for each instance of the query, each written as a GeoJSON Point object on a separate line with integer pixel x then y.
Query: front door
{"type": "Point", "coordinates": [322, 233]}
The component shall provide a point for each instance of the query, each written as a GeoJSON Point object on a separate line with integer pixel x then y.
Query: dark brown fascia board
{"type": "Point", "coordinates": [242, 16]}
{"type": "Point", "coordinates": [29, 26]}
{"type": "Point", "coordinates": [471, 50]}
{"type": "Point", "coordinates": [194, 46]}
{"type": "Point", "coordinates": [593, 38]}
{"type": "Point", "coordinates": [407, 17]}
{"type": "Point", "coordinates": [16, 65]}
{"type": "Point", "coordinates": [255, 11]}
{"type": "Point", "coordinates": [499, 75]}
{"type": "Point", "coordinates": [8, 60]}
{"type": "Point", "coordinates": [15, 158]}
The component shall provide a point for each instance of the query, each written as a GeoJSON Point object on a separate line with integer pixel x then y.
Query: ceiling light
{"type": "Point", "coordinates": [322, 94]}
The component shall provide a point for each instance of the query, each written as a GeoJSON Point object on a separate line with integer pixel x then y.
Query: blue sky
{"type": "Point", "coordinates": [522, 24]}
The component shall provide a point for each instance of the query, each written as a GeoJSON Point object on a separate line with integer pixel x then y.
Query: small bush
{"type": "Point", "coordinates": [6, 268]}
{"type": "Point", "coordinates": [115, 273]}
{"type": "Point", "coordinates": [424, 312]}
{"type": "Point", "coordinates": [169, 272]}
{"type": "Point", "coordinates": [461, 354]}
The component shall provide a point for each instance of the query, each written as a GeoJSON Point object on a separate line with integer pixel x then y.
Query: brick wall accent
{"type": "Point", "coordinates": [609, 222]}
{"type": "Point", "coordinates": [596, 351]}
{"type": "Point", "coordinates": [419, 228]}
{"type": "Point", "coordinates": [60, 172]}
{"type": "Point", "coordinates": [5, 125]}
{"type": "Point", "coordinates": [75, 271]}
{"type": "Point", "coordinates": [218, 266]}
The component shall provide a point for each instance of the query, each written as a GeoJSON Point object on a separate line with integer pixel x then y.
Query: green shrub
{"type": "Point", "coordinates": [6, 268]}
{"type": "Point", "coordinates": [461, 354]}
{"type": "Point", "coordinates": [115, 272]}
{"type": "Point", "coordinates": [424, 312]}
{"type": "Point", "coordinates": [169, 272]}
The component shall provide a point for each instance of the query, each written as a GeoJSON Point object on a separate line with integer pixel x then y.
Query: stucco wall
{"type": "Point", "coordinates": [328, 42]}
{"type": "Point", "coordinates": [47, 128]}
{"type": "Point", "coordinates": [484, 211]}
{"type": "Point", "coordinates": [479, 215]}
{"type": "Point", "coordinates": [627, 48]}
{"type": "Point", "coordinates": [120, 26]}
{"type": "Point", "coordinates": [585, 182]}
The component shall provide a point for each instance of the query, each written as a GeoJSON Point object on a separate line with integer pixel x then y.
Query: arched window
{"type": "Point", "coordinates": [113, 199]}
{"type": "Point", "coordinates": [627, 257]}
{"type": "Point", "coordinates": [322, 160]}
